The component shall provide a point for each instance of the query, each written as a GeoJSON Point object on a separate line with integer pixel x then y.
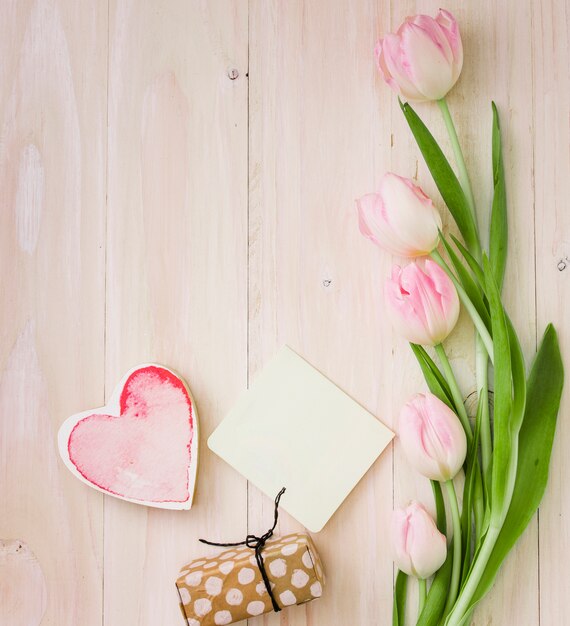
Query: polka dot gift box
{"type": "Point", "coordinates": [229, 587]}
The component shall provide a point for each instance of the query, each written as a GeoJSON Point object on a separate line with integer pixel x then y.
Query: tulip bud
{"type": "Point", "coordinates": [422, 302]}
{"type": "Point", "coordinates": [432, 437]}
{"type": "Point", "coordinates": [399, 218]}
{"type": "Point", "coordinates": [423, 59]}
{"type": "Point", "coordinates": [419, 548]}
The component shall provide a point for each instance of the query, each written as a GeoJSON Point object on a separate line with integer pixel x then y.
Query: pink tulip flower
{"type": "Point", "coordinates": [422, 302]}
{"type": "Point", "coordinates": [423, 59]}
{"type": "Point", "coordinates": [419, 548]}
{"type": "Point", "coordinates": [432, 437]}
{"type": "Point", "coordinates": [399, 218]}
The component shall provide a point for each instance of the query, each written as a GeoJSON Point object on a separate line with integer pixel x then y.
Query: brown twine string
{"type": "Point", "coordinates": [258, 543]}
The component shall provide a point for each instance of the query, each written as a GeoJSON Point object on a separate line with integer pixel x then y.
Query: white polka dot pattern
{"type": "Point", "coordinates": [289, 549]}
{"type": "Point", "coordinates": [214, 586]}
{"type": "Point", "coordinates": [202, 606]}
{"type": "Point", "coordinates": [287, 598]}
{"type": "Point", "coordinates": [278, 568]}
{"type": "Point", "coordinates": [229, 587]}
{"type": "Point", "coordinates": [246, 575]}
{"type": "Point", "coordinates": [316, 590]}
{"type": "Point", "coordinates": [307, 560]}
{"type": "Point", "coordinates": [234, 597]}
{"type": "Point", "coordinates": [226, 567]}
{"type": "Point", "coordinates": [193, 579]}
{"type": "Point", "coordinates": [300, 578]}
{"type": "Point", "coordinates": [256, 607]}
{"type": "Point", "coordinates": [222, 617]}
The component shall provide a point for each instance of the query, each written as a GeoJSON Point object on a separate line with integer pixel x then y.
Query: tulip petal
{"type": "Point", "coordinates": [431, 73]}
{"type": "Point", "coordinates": [400, 218]}
{"type": "Point", "coordinates": [423, 305]}
{"type": "Point", "coordinates": [403, 315]}
{"type": "Point", "coordinates": [423, 59]}
{"type": "Point", "coordinates": [400, 529]}
{"type": "Point", "coordinates": [419, 452]}
{"type": "Point", "coordinates": [373, 224]}
{"type": "Point", "coordinates": [446, 290]}
{"type": "Point", "coordinates": [432, 437]}
{"type": "Point", "coordinates": [450, 29]}
{"type": "Point", "coordinates": [425, 301]}
{"type": "Point", "coordinates": [392, 59]}
{"type": "Point", "coordinates": [436, 33]}
{"type": "Point", "coordinates": [413, 219]}
{"type": "Point", "coordinates": [426, 544]}
{"type": "Point", "coordinates": [419, 548]}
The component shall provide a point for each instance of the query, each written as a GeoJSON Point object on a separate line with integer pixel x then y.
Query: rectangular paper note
{"type": "Point", "coordinates": [294, 428]}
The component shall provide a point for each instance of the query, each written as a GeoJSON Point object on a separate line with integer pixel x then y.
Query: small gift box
{"type": "Point", "coordinates": [230, 587]}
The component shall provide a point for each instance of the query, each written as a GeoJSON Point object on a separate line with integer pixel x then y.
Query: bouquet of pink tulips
{"type": "Point", "coordinates": [505, 460]}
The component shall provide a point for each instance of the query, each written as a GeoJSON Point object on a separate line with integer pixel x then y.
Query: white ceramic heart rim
{"type": "Point", "coordinates": [113, 408]}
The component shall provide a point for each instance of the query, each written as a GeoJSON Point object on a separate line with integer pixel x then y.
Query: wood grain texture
{"type": "Point", "coordinates": [176, 266]}
{"type": "Point", "coordinates": [22, 585]}
{"type": "Point", "coordinates": [315, 129]}
{"type": "Point", "coordinates": [52, 194]}
{"type": "Point", "coordinates": [551, 105]}
{"type": "Point", "coordinates": [177, 184]}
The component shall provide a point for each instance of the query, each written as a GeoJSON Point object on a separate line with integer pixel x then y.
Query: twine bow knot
{"type": "Point", "coordinates": [257, 544]}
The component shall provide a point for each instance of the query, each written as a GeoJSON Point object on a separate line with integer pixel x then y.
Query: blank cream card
{"type": "Point", "coordinates": [294, 428]}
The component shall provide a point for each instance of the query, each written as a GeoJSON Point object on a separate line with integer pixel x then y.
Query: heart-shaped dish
{"type": "Point", "coordinates": [143, 445]}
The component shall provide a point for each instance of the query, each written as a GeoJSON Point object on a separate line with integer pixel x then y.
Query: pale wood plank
{"type": "Point", "coordinates": [317, 138]}
{"type": "Point", "coordinates": [22, 585]}
{"type": "Point", "coordinates": [551, 100]}
{"type": "Point", "coordinates": [52, 193]}
{"type": "Point", "coordinates": [176, 270]}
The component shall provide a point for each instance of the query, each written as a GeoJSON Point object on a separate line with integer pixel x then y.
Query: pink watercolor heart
{"type": "Point", "coordinates": [142, 446]}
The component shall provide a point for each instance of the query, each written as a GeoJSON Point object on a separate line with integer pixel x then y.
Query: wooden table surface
{"type": "Point", "coordinates": [177, 184]}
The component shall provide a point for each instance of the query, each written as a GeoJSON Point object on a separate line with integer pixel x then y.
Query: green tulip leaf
{"type": "Point", "coordinates": [468, 283]}
{"type": "Point", "coordinates": [434, 378]}
{"type": "Point", "coordinates": [437, 594]}
{"type": "Point", "coordinates": [441, 520]}
{"type": "Point", "coordinates": [472, 473]}
{"type": "Point", "coordinates": [399, 607]}
{"type": "Point", "coordinates": [536, 436]}
{"type": "Point", "coordinates": [472, 262]}
{"type": "Point", "coordinates": [503, 399]}
{"type": "Point", "coordinates": [498, 232]}
{"type": "Point", "coordinates": [444, 177]}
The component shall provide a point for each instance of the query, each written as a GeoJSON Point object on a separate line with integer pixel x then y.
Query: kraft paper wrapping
{"type": "Point", "coordinates": [229, 587]}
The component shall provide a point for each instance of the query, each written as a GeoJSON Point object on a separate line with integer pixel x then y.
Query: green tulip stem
{"type": "Point", "coordinates": [469, 306]}
{"type": "Point", "coordinates": [455, 391]}
{"type": "Point", "coordinates": [481, 365]}
{"type": "Point", "coordinates": [422, 588]}
{"type": "Point", "coordinates": [456, 567]}
{"type": "Point", "coordinates": [462, 607]}
{"type": "Point", "coordinates": [459, 158]}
